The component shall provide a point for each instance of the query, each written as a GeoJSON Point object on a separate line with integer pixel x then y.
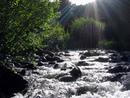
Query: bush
{"type": "Point", "coordinates": [106, 44]}
{"type": "Point", "coordinates": [56, 38]}
{"type": "Point", "coordinates": [85, 33]}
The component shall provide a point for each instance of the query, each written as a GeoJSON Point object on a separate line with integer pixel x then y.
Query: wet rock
{"type": "Point", "coordinates": [67, 54]}
{"type": "Point", "coordinates": [88, 54]}
{"type": "Point", "coordinates": [119, 68]}
{"type": "Point", "coordinates": [84, 89]}
{"type": "Point", "coordinates": [125, 56]}
{"type": "Point", "coordinates": [48, 53]}
{"type": "Point", "coordinates": [43, 59]}
{"type": "Point", "coordinates": [115, 77]}
{"type": "Point", "coordinates": [36, 56]}
{"type": "Point", "coordinates": [64, 67]}
{"type": "Point", "coordinates": [52, 62]}
{"type": "Point", "coordinates": [22, 72]}
{"type": "Point", "coordinates": [11, 82]}
{"type": "Point", "coordinates": [56, 66]}
{"type": "Point", "coordinates": [49, 58]}
{"type": "Point", "coordinates": [83, 57]}
{"type": "Point", "coordinates": [40, 63]}
{"type": "Point", "coordinates": [115, 57]}
{"type": "Point", "coordinates": [58, 59]}
{"type": "Point", "coordinates": [43, 52]}
{"type": "Point", "coordinates": [76, 72]}
{"type": "Point", "coordinates": [91, 53]}
{"type": "Point", "coordinates": [111, 51]}
{"type": "Point", "coordinates": [67, 78]}
{"type": "Point", "coordinates": [82, 63]}
{"type": "Point", "coordinates": [73, 75]}
{"type": "Point", "coordinates": [66, 51]}
{"type": "Point", "coordinates": [101, 59]}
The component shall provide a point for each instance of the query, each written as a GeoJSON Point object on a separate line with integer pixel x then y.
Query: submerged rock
{"type": "Point", "coordinates": [11, 82]}
{"type": "Point", "coordinates": [74, 74]}
{"type": "Point", "coordinates": [88, 54]}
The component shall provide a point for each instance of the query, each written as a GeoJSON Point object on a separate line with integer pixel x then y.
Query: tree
{"type": "Point", "coordinates": [56, 38]}
{"type": "Point", "coordinates": [24, 22]}
{"type": "Point", "coordinates": [85, 33]}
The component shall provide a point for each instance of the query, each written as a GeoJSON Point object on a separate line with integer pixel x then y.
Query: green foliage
{"type": "Point", "coordinates": [23, 22]}
{"type": "Point", "coordinates": [106, 44]}
{"type": "Point", "coordinates": [80, 23]}
{"type": "Point", "coordinates": [56, 38]}
{"type": "Point", "coordinates": [86, 32]}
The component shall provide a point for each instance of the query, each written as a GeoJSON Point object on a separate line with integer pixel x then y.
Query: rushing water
{"type": "Point", "coordinates": [92, 84]}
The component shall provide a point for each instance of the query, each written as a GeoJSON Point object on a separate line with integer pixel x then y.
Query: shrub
{"type": "Point", "coordinates": [56, 38]}
{"type": "Point", "coordinates": [85, 33]}
{"type": "Point", "coordinates": [106, 44]}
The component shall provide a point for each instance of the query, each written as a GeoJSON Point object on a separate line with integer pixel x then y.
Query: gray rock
{"type": "Point", "coordinates": [11, 82]}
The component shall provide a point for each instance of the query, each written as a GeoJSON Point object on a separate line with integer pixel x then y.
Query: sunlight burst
{"type": "Point", "coordinates": [81, 2]}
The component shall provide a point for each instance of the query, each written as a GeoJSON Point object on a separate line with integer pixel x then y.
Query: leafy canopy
{"type": "Point", "coordinates": [23, 23]}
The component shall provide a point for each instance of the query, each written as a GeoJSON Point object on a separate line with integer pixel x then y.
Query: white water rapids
{"type": "Point", "coordinates": [92, 83]}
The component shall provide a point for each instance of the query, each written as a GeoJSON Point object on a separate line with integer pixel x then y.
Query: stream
{"type": "Point", "coordinates": [96, 81]}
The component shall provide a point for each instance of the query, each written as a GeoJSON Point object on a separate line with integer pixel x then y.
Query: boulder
{"type": "Point", "coordinates": [52, 62]}
{"type": "Point", "coordinates": [83, 57]}
{"type": "Point", "coordinates": [58, 59]}
{"type": "Point", "coordinates": [48, 53]}
{"type": "Point", "coordinates": [67, 78]}
{"type": "Point", "coordinates": [102, 59]}
{"type": "Point", "coordinates": [76, 72]}
{"type": "Point", "coordinates": [67, 54]}
{"type": "Point", "coordinates": [43, 59]}
{"type": "Point", "coordinates": [49, 58]}
{"type": "Point", "coordinates": [11, 82]}
{"type": "Point", "coordinates": [73, 75]}
{"type": "Point", "coordinates": [56, 66]}
{"type": "Point", "coordinates": [82, 63]}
